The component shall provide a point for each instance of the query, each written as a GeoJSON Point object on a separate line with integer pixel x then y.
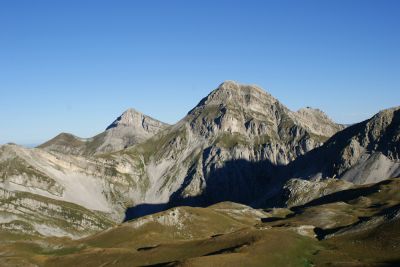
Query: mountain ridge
{"type": "Point", "coordinates": [237, 144]}
{"type": "Point", "coordinates": [350, 153]}
{"type": "Point", "coordinates": [130, 128]}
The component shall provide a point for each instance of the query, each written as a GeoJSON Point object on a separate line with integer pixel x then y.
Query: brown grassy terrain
{"type": "Point", "coordinates": [355, 227]}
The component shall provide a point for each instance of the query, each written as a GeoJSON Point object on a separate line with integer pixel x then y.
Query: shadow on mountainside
{"type": "Point", "coordinates": [256, 184]}
{"type": "Point", "coordinates": [240, 181]}
{"type": "Point", "coordinates": [143, 210]}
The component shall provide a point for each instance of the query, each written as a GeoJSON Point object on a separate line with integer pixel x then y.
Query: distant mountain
{"type": "Point", "coordinates": [130, 128]}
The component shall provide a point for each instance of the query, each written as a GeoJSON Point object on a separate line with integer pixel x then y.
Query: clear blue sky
{"type": "Point", "coordinates": [75, 65]}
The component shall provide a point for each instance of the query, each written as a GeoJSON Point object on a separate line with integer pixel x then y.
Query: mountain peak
{"type": "Point", "coordinates": [135, 119]}
{"type": "Point", "coordinates": [313, 112]}
{"type": "Point", "coordinates": [229, 84]}
{"type": "Point", "coordinates": [231, 92]}
{"type": "Point", "coordinates": [316, 121]}
{"type": "Point", "coordinates": [251, 112]}
{"type": "Point", "coordinates": [130, 117]}
{"type": "Point", "coordinates": [236, 86]}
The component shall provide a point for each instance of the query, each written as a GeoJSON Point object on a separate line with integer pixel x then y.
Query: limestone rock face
{"type": "Point", "coordinates": [51, 193]}
{"type": "Point", "coordinates": [229, 147]}
{"type": "Point", "coordinates": [130, 128]}
{"type": "Point", "coordinates": [252, 112]}
{"type": "Point", "coordinates": [28, 213]}
{"type": "Point", "coordinates": [317, 122]}
{"type": "Point", "coordinates": [138, 122]}
{"type": "Point", "coordinates": [366, 152]}
{"type": "Point", "coordinates": [251, 116]}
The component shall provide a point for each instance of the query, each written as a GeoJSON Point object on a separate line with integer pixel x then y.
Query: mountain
{"type": "Point", "coordinates": [238, 144]}
{"type": "Point", "coordinates": [231, 146]}
{"type": "Point", "coordinates": [130, 128]}
{"type": "Point", "coordinates": [366, 152]}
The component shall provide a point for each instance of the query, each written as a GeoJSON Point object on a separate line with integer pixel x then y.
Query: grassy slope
{"type": "Point", "coordinates": [224, 235]}
{"type": "Point", "coordinates": [69, 142]}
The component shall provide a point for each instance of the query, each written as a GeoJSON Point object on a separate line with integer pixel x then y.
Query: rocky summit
{"type": "Point", "coordinates": [239, 175]}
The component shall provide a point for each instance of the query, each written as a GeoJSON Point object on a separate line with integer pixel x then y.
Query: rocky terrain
{"type": "Point", "coordinates": [234, 177]}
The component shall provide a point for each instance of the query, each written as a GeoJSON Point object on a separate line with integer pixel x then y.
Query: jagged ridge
{"type": "Point", "coordinates": [366, 152]}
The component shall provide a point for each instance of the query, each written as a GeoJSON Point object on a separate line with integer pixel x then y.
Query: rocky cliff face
{"type": "Point", "coordinates": [317, 122]}
{"type": "Point", "coordinates": [366, 152]}
{"type": "Point", "coordinates": [132, 127]}
{"type": "Point", "coordinates": [247, 114]}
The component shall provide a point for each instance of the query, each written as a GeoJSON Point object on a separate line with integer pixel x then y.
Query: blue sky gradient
{"type": "Point", "coordinates": [75, 65]}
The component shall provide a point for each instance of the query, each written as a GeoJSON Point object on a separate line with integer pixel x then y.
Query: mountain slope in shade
{"type": "Point", "coordinates": [366, 152]}
{"type": "Point", "coordinates": [130, 128]}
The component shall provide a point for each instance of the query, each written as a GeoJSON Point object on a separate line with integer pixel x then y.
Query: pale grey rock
{"type": "Point", "coordinates": [27, 213]}
{"type": "Point", "coordinates": [93, 184]}
{"type": "Point", "coordinates": [367, 152]}
{"type": "Point", "coordinates": [317, 122]}
{"type": "Point", "coordinates": [228, 147]}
